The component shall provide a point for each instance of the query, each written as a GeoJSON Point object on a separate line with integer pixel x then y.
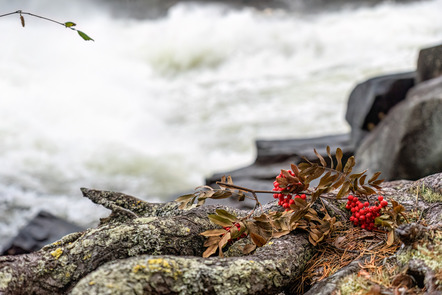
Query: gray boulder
{"type": "Point", "coordinates": [429, 63]}
{"type": "Point", "coordinates": [407, 144]}
{"type": "Point", "coordinates": [371, 100]}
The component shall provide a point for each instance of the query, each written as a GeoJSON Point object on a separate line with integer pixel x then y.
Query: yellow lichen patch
{"type": "Point", "coordinates": [159, 264]}
{"type": "Point", "coordinates": [68, 275]}
{"type": "Point", "coordinates": [57, 253]}
{"type": "Point", "coordinates": [137, 267]}
{"type": "Point", "coordinates": [87, 256]}
{"type": "Point", "coordinates": [164, 266]}
{"type": "Point", "coordinates": [91, 283]}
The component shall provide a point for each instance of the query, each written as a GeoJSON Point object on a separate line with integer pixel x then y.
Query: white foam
{"type": "Point", "coordinates": [153, 106]}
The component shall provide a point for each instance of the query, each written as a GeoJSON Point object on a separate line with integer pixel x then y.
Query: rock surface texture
{"type": "Point", "coordinates": [429, 63]}
{"type": "Point", "coordinates": [144, 248]}
{"type": "Point", "coordinates": [408, 143]}
{"type": "Point", "coordinates": [370, 101]}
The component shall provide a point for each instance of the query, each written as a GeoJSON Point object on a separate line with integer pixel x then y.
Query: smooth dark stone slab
{"type": "Point", "coordinates": [43, 229]}
{"type": "Point", "coordinates": [429, 63]}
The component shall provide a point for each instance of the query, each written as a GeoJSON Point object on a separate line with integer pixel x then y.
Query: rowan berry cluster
{"type": "Point", "coordinates": [285, 200]}
{"type": "Point", "coordinates": [238, 226]}
{"type": "Point", "coordinates": [363, 214]}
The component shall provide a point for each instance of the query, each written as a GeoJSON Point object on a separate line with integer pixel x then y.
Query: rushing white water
{"type": "Point", "coordinates": [153, 106]}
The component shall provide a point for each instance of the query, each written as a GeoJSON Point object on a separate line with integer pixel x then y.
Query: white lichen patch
{"type": "Point", "coordinates": [352, 284]}
{"type": "Point", "coordinates": [116, 233]}
{"type": "Point", "coordinates": [87, 243]}
{"type": "Point", "coordinates": [145, 220]}
{"type": "Point", "coordinates": [5, 279]}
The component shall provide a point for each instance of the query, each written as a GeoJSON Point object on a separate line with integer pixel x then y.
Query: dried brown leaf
{"type": "Point", "coordinates": [374, 177]}
{"type": "Point", "coordinates": [390, 238]}
{"type": "Point", "coordinates": [330, 157]}
{"type": "Point", "coordinates": [221, 194]}
{"type": "Point", "coordinates": [249, 248]}
{"type": "Point", "coordinates": [344, 190]}
{"type": "Point", "coordinates": [213, 232]}
{"type": "Point", "coordinates": [209, 251]}
{"type": "Point", "coordinates": [257, 239]}
{"type": "Point", "coordinates": [295, 170]}
{"type": "Point", "coordinates": [280, 233]}
{"type": "Point", "coordinates": [212, 241]}
{"type": "Point", "coordinates": [339, 156]}
{"type": "Point", "coordinates": [220, 220]}
{"type": "Point", "coordinates": [349, 165]}
{"type": "Point", "coordinates": [185, 197]}
{"type": "Point", "coordinates": [224, 240]}
{"type": "Point", "coordinates": [321, 159]}
{"type": "Point", "coordinates": [227, 215]}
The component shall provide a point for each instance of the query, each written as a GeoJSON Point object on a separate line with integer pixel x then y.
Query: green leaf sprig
{"type": "Point", "coordinates": [69, 24]}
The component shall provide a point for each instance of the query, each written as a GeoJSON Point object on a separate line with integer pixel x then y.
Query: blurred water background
{"type": "Point", "coordinates": [157, 103]}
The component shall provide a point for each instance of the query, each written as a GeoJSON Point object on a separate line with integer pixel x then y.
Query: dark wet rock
{"type": "Point", "coordinates": [370, 101]}
{"type": "Point", "coordinates": [407, 143]}
{"type": "Point", "coordinates": [43, 229]}
{"type": "Point", "coordinates": [429, 63]}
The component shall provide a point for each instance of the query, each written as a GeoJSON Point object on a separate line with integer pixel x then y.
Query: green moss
{"type": "Point", "coordinates": [427, 194]}
{"type": "Point", "coordinates": [431, 254]}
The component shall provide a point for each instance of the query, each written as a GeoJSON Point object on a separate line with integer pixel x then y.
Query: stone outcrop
{"type": "Point", "coordinates": [407, 144]}
{"type": "Point", "coordinates": [144, 248]}
{"type": "Point", "coordinates": [370, 102]}
{"type": "Point", "coordinates": [429, 63]}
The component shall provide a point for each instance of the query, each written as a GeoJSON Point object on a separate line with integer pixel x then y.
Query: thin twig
{"type": "Point", "coordinates": [45, 18]}
{"type": "Point", "coordinates": [69, 25]}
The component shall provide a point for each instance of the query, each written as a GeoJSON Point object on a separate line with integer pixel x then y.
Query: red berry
{"type": "Point", "coordinates": [380, 198]}
{"type": "Point", "coordinates": [384, 203]}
